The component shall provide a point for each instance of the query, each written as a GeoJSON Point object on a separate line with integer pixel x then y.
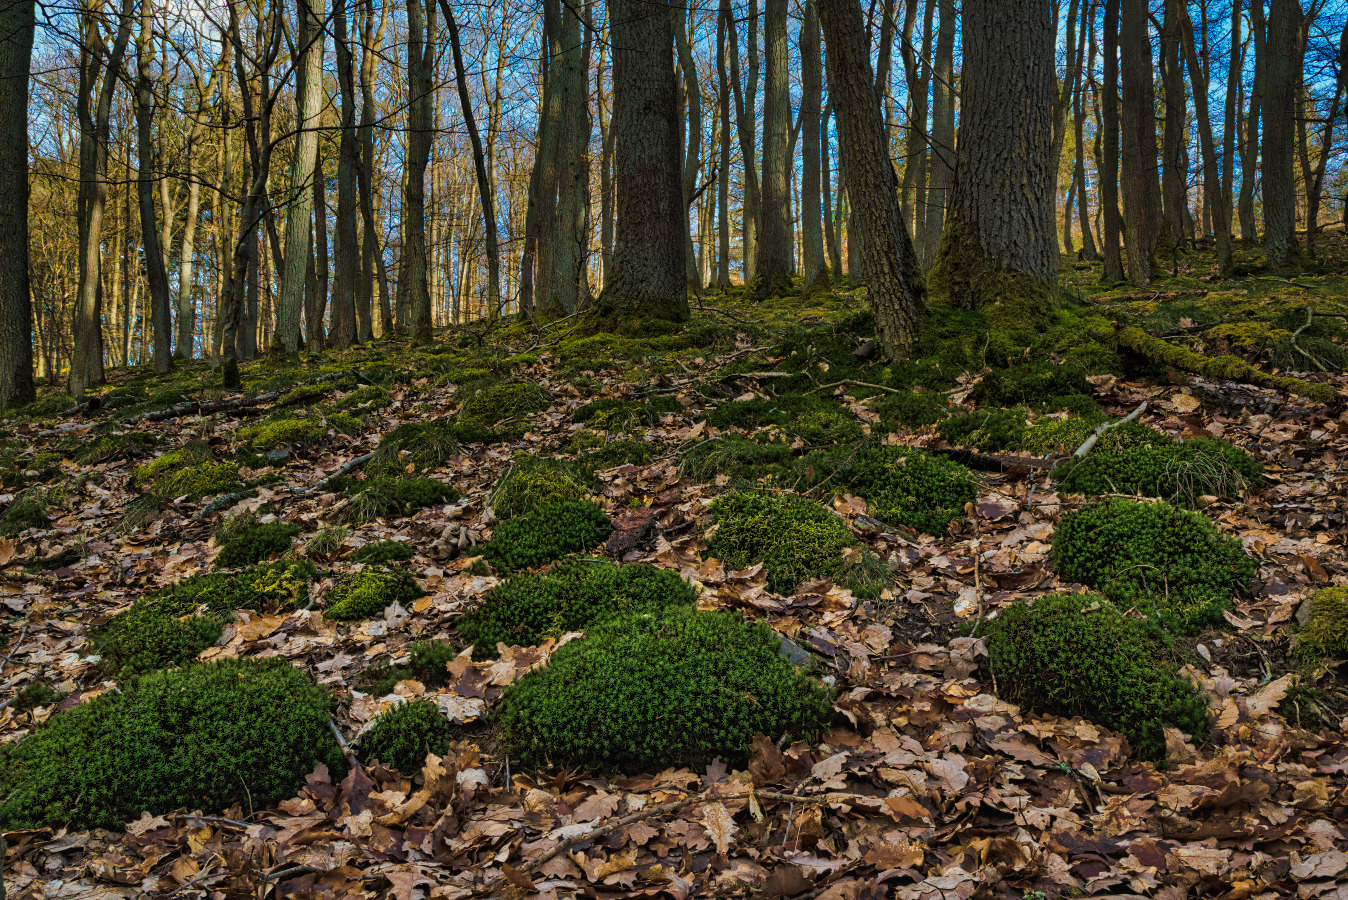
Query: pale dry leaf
{"type": "Point", "coordinates": [720, 825]}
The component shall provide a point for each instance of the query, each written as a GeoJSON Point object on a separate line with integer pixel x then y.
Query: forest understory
{"type": "Point", "coordinates": [425, 532]}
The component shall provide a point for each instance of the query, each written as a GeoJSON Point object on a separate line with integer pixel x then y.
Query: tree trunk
{"type": "Point", "coordinates": [300, 205]}
{"type": "Point", "coordinates": [1315, 187]}
{"type": "Point", "coordinates": [371, 250]}
{"type": "Point", "coordinates": [1213, 199]}
{"type": "Point", "coordinates": [344, 328]}
{"type": "Point", "coordinates": [1140, 186]}
{"type": "Point", "coordinates": [1249, 230]}
{"type": "Point", "coordinates": [1108, 134]}
{"type": "Point", "coordinates": [893, 278]}
{"type": "Point", "coordinates": [692, 160]}
{"type": "Point", "coordinates": [775, 245]}
{"type": "Point", "coordinates": [414, 297]}
{"type": "Point", "coordinates": [649, 272]}
{"type": "Point", "coordinates": [156, 277]}
{"type": "Point", "coordinates": [746, 126]}
{"type": "Point", "coordinates": [1088, 247]}
{"type": "Point", "coordinates": [1000, 244]}
{"type": "Point", "coordinates": [1232, 112]}
{"type": "Point", "coordinates": [814, 271]}
{"type": "Point", "coordinates": [1282, 77]}
{"type": "Point", "coordinates": [942, 130]}
{"type": "Point", "coordinates": [724, 22]}
{"type": "Point", "coordinates": [1174, 150]}
{"type": "Point", "coordinates": [832, 211]}
{"type": "Point", "coordinates": [17, 19]}
{"type": "Point", "coordinates": [568, 78]}
{"type": "Point", "coordinates": [316, 296]}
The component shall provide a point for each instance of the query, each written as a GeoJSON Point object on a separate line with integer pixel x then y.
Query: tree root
{"type": "Point", "coordinates": [1218, 368]}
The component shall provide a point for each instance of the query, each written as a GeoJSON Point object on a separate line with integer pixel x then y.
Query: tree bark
{"type": "Point", "coordinates": [1108, 168]}
{"type": "Point", "coordinates": [775, 245]}
{"type": "Point", "coordinates": [17, 26]}
{"type": "Point", "coordinates": [309, 95]}
{"type": "Point", "coordinates": [1174, 150]}
{"type": "Point", "coordinates": [893, 277]}
{"type": "Point", "coordinates": [1140, 186]}
{"type": "Point", "coordinates": [649, 271]}
{"type": "Point", "coordinates": [814, 268]}
{"type": "Point", "coordinates": [414, 297]}
{"type": "Point", "coordinates": [567, 289]}
{"type": "Point", "coordinates": [1249, 155]}
{"type": "Point", "coordinates": [942, 142]}
{"type": "Point", "coordinates": [1277, 162]}
{"type": "Point", "coordinates": [746, 126]}
{"type": "Point", "coordinates": [344, 328]}
{"type": "Point", "coordinates": [692, 158]}
{"type": "Point", "coordinates": [1213, 197]}
{"type": "Point", "coordinates": [156, 277]}
{"type": "Point", "coordinates": [1000, 244]}
{"type": "Point", "coordinates": [1232, 111]}
{"type": "Point", "coordinates": [724, 22]}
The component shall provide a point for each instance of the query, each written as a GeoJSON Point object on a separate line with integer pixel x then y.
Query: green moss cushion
{"type": "Point", "coordinates": [243, 731]}
{"type": "Point", "coordinates": [646, 692]}
{"type": "Point", "coordinates": [547, 533]}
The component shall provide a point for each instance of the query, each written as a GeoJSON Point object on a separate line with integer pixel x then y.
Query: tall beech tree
{"type": "Point", "coordinates": [1000, 244]}
{"type": "Point", "coordinates": [17, 20]}
{"type": "Point", "coordinates": [1282, 78]}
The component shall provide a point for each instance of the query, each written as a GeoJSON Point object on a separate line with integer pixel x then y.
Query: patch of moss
{"type": "Point", "coordinates": [1029, 382]}
{"type": "Point", "coordinates": [1169, 563]}
{"type": "Point", "coordinates": [795, 539]}
{"type": "Point", "coordinates": [1078, 655]}
{"type": "Point", "coordinates": [989, 430]}
{"type": "Point", "coordinates": [166, 464]}
{"type": "Point", "coordinates": [343, 423]}
{"type": "Point", "coordinates": [901, 485]}
{"type": "Point", "coordinates": [381, 553]}
{"type": "Point", "coordinates": [369, 592]}
{"type": "Point", "coordinates": [1133, 459]}
{"type": "Point", "coordinates": [204, 480]}
{"type": "Point", "coordinates": [28, 511]}
{"type": "Point", "coordinates": [243, 731]}
{"type": "Point", "coordinates": [547, 533]}
{"type": "Point", "coordinates": [739, 458]}
{"type": "Point", "coordinates": [370, 396]}
{"type": "Point", "coordinates": [807, 416]}
{"type": "Point", "coordinates": [109, 447]}
{"type": "Point", "coordinates": [282, 432]}
{"type": "Point", "coordinates": [532, 482]}
{"type": "Point", "coordinates": [644, 693]}
{"type": "Point", "coordinates": [612, 414]}
{"type": "Point", "coordinates": [910, 409]}
{"type": "Point", "coordinates": [573, 595]}
{"type": "Point", "coordinates": [414, 446]}
{"type": "Point", "coordinates": [402, 735]}
{"type": "Point", "coordinates": [377, 498]}
{"type": "Point", "coordinates": [1056, 435]}
{"type": "Point", "coordinates": [306, 394]}
{"type": "Point", "coordinates": [506, 401]}
{"type": "Point", "coordinates": [36, 694]}
{"type": "Point", "coordinates": [243, 540]}
{"type": "Point", "coordinates": [1325, 634]}
{"type": "Point", "coordinates": [611, 454]}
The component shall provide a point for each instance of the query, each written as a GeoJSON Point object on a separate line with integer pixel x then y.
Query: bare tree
{"type": "Point", "coordinates": [17, 18]}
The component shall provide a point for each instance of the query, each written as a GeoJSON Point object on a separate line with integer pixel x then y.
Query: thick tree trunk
{"type": "Point", "coordinates": [414, 297]}
{"type": "Point", "coordinates": [156, 276]}
{"type": "Point", "coordinates": [300, 205]}
{"type": "Point", "coordinates": [814, 272]}
{"type": "Point", "coordinates": [746, 126]}
{"type": "Point", "coordinates": [1000, 244]}
{"type": "Point", "coordinates": [1140, 186]}
{"type": "Point", "coordinates": [649, 270]}
{"type": "Point", "coordinates": [893, 278]}
{"type": "Point", "coordinates": [17, 18]}
{"type": "Point", "coordinates": [775, 245]}
{"type": "Point", "coordinates": [1282, 78]}
{"type": "Point", "coordinates": [1108, 134]}
{"type": "Point", "coordinates": [344, 328]}
{"type": "Point", "coordinates": [567, 289]}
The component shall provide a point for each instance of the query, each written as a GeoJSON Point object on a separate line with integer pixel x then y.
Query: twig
{"type": "Point", "coordinates": [22, 634]}
{"type": "Point", "coordinates": [1309, 316]}
{"type": "Point", "coordinates": [346, 467]}
{"type": "Point", "coordinates": [342, 742]}
{"type": "Point", "coordinates": [218, 820]}
{"type": "Point", "coordinates": [866, 384]}
{"type": "Point", "coordinates": [1100, 429]}
{"type": "Point", "coordinates": [1295, 284]}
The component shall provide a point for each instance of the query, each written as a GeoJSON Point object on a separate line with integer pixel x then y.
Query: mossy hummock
{"type": "Point", "coordinates": [1079, 655]}
{"type": "Point", "coordinates": [1170, 563]}
{"type": "Point", "coordinates": [643, 693]}
{"type": "Point", "coordinates": [549, 532]}
{"type": "Point", "coordinates": [369, 592]}
{"type": "Point", "coordinates": [496, 404]}
{"type": "Point", "coordinates": [402, 735]}
{"type": "Point", "coordinates": [243, 540]}
{"type": "Point", "coordinates": [901, 485]}
{"type": "Point", "coordinates": [573, 595]}
{"type": "Point", "coordinates": [533, 482]}
{"type": "Point", "coordinates": [243, 731]}
{"type": "Point", "coordinates": [1325, 634]}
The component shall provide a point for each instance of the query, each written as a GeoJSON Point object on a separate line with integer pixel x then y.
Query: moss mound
{"type": "Point", "coordinates": [549, 532]}
{"type": "Point", "coordinates": [369, 592]}
{"type": "Point", "coordinates": [646, 692]}
{"type": "Point", "coordinates": [1032, 382]}
{"type": "Point", "coordinates": [281, 433]}
{"type": "Point", "coordinates": [428, 663]}
{"type": "Point", "coordinates": [376, 498]}
{"type": "Point", "coordinates": [381, 553]}
{"type": "Point", "coordinates": [190, 472]}
{"type": "Point", "coordinates": [243, 540]}
{"type": "Point", "coordinates": [1077, 655]}
{"type": "Point", "coordinates": [1325, 634]}
{"type": "Point", "coordinates": [739, 458]}
{"type": "Point", "coordinates": [1168, 562]}
{"type": "Point", "coordinates": [1139, 460]}
{"type": "Point", "coordinates": [402, 735]}
{"type": "Point", "coordinates": [989, 430]}
{"type": "Point", "coordinates": [910, 409]}
{"type": "Point", "coordinates": [243, 731]}
{"type": "Point", "coordinates": [795, 539]}
{"type": "Point", "coordinates": [415, 446]}
{"type": "Point", "coordinates": [532, 482]}
{"type": "Point", "coordinates": [172, 626]}
{"type": "Point", "coordinates": [509, 400]}
{"type": "Point", "coordinates": [611, 454]}
{"type": "Point", "coordinates": [902, 486]}
{"type": "Point", "coordinates": [612, 414]}
{"type": "Point", "coordinates": [810, 418]}
{"type": "Point", "coordinates": [29, 511]}
{"type": "Point", "coordinates": [370, 396]}
{"type": "Point", "coordinates": [573, 595]}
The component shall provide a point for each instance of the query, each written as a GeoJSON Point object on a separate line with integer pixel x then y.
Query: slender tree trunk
{"type": "Point", "coordinates": [942, 130]}
{"type": "Point", "coordinates": [1249, 230]}
{"type": "Point", "coordinates": [692, 161]}
{"type": "Point", "coordinates": [893, 278]}
{"type": "Point", "coordinates": [1282, 78]}
{"type": "Point", "coordinates": [832, 217]}
{"type": "Point", "coordinates": [814, 268]}
{"type": "Point", "coordinates": [1234, 84]}
{"type": "Point", "coordinates": [1315, 187]}
{"type": "Point", "coordinates": [316, 294]}
{"type": "Point", "coordinates": [155, 275]}
{"type": "Point", "coordinates": [724, 22]}
{"type": "Point", "coordinates": [1000, 245]}
{"type": "Point", "coordinates": [1088, 248]}
{"type": "Point", "coordinates": [414, 297]}
{"type": "Point", "coordinates": [309, 97]}
{"type": "Point", "coordinates": [775, 246]}
{"type": "Point", "coordinates": [1141, 188]}
{"type": "Point", "coordinates": [371, 249]}
{"type": "Point", "coordinates": [344, 328]}
{"type": "Point", "coordinates": [1213, 199]}
{"type": "Point", "coordinates": [186, 259]}
{"type": "Point", "coordinates": [1109, 153]}
{"type": "Point", "coordinates": [649, 271]}
{"type": "Point", "coordinates": [566, 287]}
{"type": "Point", "coordinates": [17, 25]}
{"type": "Point", "coordinates": [746, 126]}
{"type": "Point", "coordinates": [1174, 151]}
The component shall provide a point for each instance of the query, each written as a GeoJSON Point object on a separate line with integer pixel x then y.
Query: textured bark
{"type": "Point", "coordinates": [567, 289]}
{"type": "Point", "coordinates": [942, 165]}
{"type": "Point", "coordinates": [1174, 148]}
{"type": "Point", "coordinates": [893, 278]}
{"type": "Point", "coordinates": [692, 156]}
{"type": "Point", "coordinates": [724, 22]}
{"type": "Point", "coordinates": [17, 19]}
{"type": "Point", "coordinates": [814, 273]}
{"type": "Point", "coordinates": [316, 291]}
{"type": "Point", "coordinates": [1213, 199]}
{"type": "Point", "coordinates": [546, 163]}
{"type": "Point", "coordinates": [308, 97]}
{"type": "Point", "coordinates": [746, 99]}
{"type": "Point", "coordinates": [156, 276]}
{"type": "Point", "coordinates": [100, 70]}
{"type": "Point", "coordinates": [344, 328]}
{"type": "Point", "coordinates": [479, 167]}
{"type": "Point", "coordinates": [649, 272]}
{"type": "Point", "coordinates": [1277, 164]}
{"type": "Point", "coordinates": [1232, 111]}
{"type": "Point", "coordinates": [414, 296]}
{"type": "Point", "coordinates": [525, 301]}
{"type": "Point", "coordinates": [1249, 154]}
{"type": "Point", "coordinates": [775, 245]}
{"type": "Point", "coordinates": [371, 252]}
{"type": "Point", "coordinates": [1108, 135]}
{"type": "Point", "coordinates": [832, 219]}
{"type": "Point", "coordinates": [1000, 238]}
{"type": "Point", "coordinates": [1088, 247]}
{"type": "Point", "coordinates": [1140, 187]}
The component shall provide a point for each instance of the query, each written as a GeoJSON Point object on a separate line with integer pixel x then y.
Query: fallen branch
{"type": "Point", "coordinates": [1100, 429]}
{"type": "Point", "coordinates": [1218, 368]}
{"type": "Point", "coordinates": [345, 468]}
{"type": "Point", "coordinates": [1310, 315]}
{"type": "Point", "coordinates": [211, 406]}
{"type": "Point", "coordinates": [1295, 284]}
{"type": "Point", "coordinates": [855, 383]}
{"type": "Point", "coordinates": [996, 462]}
{"type": "Point", "coordinates": [1149, 295]}
{"type": "Point", "coordinates": [224, 501]}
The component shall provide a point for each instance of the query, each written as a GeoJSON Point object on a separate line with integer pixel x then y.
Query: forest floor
{"type": "Point", "coordinates": [928, 785]}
